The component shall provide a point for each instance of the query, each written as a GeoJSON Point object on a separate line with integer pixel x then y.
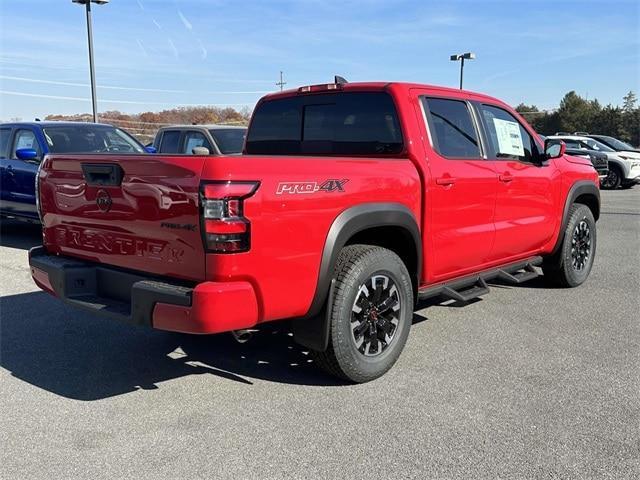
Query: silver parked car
{"type": "Point", "coordinates": [624, 167]}
{"type": "Point", "coordinates": [200, 139]}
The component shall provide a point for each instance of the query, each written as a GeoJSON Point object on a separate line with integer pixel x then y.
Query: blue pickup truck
{"type": "Point", "coordinates": [23, 145]}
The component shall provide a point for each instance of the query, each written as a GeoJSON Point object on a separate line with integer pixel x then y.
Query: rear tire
{"type": "Point", "coordinates": [571, 265]}
{"type": "Point", "coordinates": [370, 314]}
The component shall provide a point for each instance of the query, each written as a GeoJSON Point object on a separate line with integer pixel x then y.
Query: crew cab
{"type": "Point", "coordinates": [23, 145]}
{"type": "Point", "coordinates": [200, 139]}
{"type": "Point", "coordinates": [351, 202]}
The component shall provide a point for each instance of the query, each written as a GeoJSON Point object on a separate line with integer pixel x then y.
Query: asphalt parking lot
{"type": "Point", "coordinates": [529, 382]}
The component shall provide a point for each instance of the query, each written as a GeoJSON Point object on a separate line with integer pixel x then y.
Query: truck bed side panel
{"type": "Point", "coordinates": [289, 227]}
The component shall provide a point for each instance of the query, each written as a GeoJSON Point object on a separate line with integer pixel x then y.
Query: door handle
{"type": "Point", "coordinates": [446, 181]}
{"type": "Point", "coordinates": [505, 177]}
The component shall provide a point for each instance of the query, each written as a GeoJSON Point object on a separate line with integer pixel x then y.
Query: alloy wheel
{"type": "Point", "coordinates": [581, 245]}
{"type": "Point", "coordinates": [375, 315]}
{"type": "Point", "coordinates": [611, 180]}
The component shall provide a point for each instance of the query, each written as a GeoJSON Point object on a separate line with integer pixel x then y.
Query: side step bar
{"type": "Point", "coordinates": [472, 286]}
{"type": "Point", "coordinates": [516, 278]}
{"type": "Point", "coordinates": [476, 290]}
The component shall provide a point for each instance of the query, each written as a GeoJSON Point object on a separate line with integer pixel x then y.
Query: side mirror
{"type": "Point", "coordinates": [554, 148]}
{"type": "Point", "coordinates": [150, 149]}
{"type": "Point", "coordinates": [200, 151]}
{"type": "Point", "coordinates": [27, 154]}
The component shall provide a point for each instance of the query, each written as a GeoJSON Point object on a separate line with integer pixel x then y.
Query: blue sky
{"type": "Point", "coordinates": [156, 54]}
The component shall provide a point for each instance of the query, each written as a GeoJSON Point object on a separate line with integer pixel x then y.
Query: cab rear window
{"type": "Point", "coordinates": [352, 123]}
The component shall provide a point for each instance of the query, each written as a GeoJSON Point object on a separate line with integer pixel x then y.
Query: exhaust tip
{"type": "Point", "coordinates": [243, 335]}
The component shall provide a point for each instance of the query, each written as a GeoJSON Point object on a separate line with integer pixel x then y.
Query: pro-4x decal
{"type": "Point", "coordinates": [332, 185]}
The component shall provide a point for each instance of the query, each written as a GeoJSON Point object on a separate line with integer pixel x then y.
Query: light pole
{"type": "Point", "coordinates": [462, 57]}
{"type": "Point", "coordinates": [87, 4]}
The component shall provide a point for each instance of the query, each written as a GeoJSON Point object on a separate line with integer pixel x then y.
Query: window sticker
{"type": "Point", "coordinates": [509, 137]}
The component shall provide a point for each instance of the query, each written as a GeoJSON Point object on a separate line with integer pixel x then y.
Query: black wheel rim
{"type": "Point", "coordinates": [611, 179]}
{"type": "Point", "coordinates": [581, 246]}
{"type": "Point", "coordinates": [375, 315]}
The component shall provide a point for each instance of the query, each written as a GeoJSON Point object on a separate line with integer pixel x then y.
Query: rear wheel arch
{"type": "Point", "coordinates": [399, 240]}
{"type": "Point", "coordinates": [388, 225]}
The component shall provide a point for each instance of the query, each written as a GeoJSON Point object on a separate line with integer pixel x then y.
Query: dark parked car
{"type": "Point", "coordinates": [23, 145]}
{"type": "Point", "coordinates": [599, 160]}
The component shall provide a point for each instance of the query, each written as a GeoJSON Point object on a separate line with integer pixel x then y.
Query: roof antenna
{"type": "Point", "coordinates": [339, 80]}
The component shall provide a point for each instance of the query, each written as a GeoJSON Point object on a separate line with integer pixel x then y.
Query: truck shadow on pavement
{"type": "Point", "coordinates": [21, 235]}
{"type": "Point", "coordinates": [84, 357]}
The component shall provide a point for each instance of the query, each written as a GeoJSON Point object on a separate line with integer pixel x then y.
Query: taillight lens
{"type": "Point", "coordinates": [225, 228]}
{"type": "Point", "coordinates": [37, 190]}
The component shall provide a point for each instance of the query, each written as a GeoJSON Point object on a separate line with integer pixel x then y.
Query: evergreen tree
{"type": "Point", "coordinates": [629, 102]}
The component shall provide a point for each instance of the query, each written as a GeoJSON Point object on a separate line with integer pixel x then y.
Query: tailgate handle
{"type": "Point", "coordinates": [104, 174]}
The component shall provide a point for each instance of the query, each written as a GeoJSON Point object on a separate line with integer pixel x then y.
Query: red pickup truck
{"type": "Point", "coordinates": [351, 202]}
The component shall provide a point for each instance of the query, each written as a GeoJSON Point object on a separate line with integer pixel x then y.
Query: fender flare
{"type": "Point", "coordinates": [312, 330]}
{"type": "Point", "coordinates": [583, 187]}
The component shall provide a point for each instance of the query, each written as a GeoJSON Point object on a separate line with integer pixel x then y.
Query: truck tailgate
{"type": "Point", "coordinates": [139, 212]}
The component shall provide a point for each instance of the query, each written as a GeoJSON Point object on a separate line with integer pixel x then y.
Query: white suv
{"type": "Point", "coordinates": [624, 167]}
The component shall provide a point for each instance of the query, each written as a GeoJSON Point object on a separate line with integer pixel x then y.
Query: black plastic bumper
{"type": "Point", "coordinates": [117, 293]}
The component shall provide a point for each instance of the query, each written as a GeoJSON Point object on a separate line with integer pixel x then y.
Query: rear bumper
{"type": "Point", "coordinates": [208, 307]}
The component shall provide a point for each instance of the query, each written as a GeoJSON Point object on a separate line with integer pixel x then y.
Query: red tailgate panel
{"type": "Point", "coordinates": [150, 222]}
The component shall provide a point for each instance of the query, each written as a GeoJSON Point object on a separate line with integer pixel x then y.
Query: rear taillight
{"type": "Point", "coordinates": [225, 228]}
{"type": "Point", "coordinates": [37, 190]}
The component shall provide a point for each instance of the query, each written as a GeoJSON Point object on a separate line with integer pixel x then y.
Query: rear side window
{"type": "Point", "coordinates": [451, 127]}
{"type": "Point", "coordinates": [355, 123]}
{"type": "Point", "coordinates": [170, 142]}
{"type": "Point", "coordinates": [229, 140]}
{"type": "Point", "coordinates": [5, 133]}
{"type": "Point", "coordinates": [507, 138]}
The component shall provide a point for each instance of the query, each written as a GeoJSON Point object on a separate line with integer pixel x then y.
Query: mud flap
{"type": "Point", "coordinates": [313, 332]}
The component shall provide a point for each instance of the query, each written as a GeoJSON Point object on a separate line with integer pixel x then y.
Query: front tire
{"type": "Point", "coordinates": [571, 265]}
{"type": "Point", "coordinates": [370, 314]}
{"type": "Point", "coordinates": [613, 179]}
